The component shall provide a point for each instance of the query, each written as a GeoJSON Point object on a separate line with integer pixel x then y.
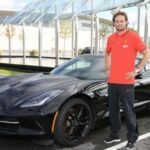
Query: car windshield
{"type": "Point", "coordinates": [83, 67]}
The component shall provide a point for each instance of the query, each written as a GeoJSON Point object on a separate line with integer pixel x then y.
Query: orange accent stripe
{"type": "Point", "coordinates": [54, 121]}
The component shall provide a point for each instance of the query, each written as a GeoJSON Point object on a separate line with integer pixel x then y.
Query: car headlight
{"type": "Point", "coordinates": [42, 99]}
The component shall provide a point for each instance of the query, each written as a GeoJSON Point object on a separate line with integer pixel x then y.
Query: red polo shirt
{"type": "Point", "coordinates": [123, 49]}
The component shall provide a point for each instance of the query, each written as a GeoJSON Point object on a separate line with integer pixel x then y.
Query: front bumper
{"type": "Point", "coordinates": [39, 126]}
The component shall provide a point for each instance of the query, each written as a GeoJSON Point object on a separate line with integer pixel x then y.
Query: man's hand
{"type": "Point", "coordinates": [146, 56]}
{"type": "Point", "coordinates": [107, 71]}
{"type": "Point", "coordinates": [130, 75]}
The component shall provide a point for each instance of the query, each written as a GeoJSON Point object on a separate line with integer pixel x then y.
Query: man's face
{"type": "Point", "coordinates": [120, 23]}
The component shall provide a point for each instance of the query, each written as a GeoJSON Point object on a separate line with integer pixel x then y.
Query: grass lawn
{"type": "Point", "coordinates": [9, 72]}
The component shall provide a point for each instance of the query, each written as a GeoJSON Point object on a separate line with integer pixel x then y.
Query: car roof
{"type": "Point", "coordinates": [92, 55]}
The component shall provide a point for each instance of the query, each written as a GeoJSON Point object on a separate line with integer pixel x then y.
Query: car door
{"type": "Point", "coordinates": [142, 89]}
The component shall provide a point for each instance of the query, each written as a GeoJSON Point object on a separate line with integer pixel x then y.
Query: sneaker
{"type": "Point", "coordinates": [130, 146]}
{"type": "Point", "coordinates": [111, 139]}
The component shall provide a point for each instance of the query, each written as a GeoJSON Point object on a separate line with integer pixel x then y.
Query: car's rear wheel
{"type": "Point", "coordinates": [73, 122]}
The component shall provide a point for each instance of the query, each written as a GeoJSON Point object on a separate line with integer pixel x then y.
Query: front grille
{"type": "Point", "coordinates": [7, 123]}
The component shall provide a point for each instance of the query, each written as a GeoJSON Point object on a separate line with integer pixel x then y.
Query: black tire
{"type": "Point", "coordinates": [73, 123]}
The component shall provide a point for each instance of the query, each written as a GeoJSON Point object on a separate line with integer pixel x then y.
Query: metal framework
{"type": "Point", "coordinates": [44, 10]}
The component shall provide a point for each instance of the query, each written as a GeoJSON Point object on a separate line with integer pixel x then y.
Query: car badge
{"type": "Point", "coordinates": [125, 41]}
{"type": "Point", "coordinates": [125, 44]}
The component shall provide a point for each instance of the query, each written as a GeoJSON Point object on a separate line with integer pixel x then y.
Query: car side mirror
{"type": "Point", "coordinates": [139, 76]}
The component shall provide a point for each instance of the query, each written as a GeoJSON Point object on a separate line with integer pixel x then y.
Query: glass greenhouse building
{"type": "Point", "coordinates": [55, 30]}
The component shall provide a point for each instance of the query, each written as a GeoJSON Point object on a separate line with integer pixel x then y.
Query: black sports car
{"type": "Point", "coordinates": [65, 104]}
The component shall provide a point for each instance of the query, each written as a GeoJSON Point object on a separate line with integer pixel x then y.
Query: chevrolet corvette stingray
{"type": "Point", "coordinates": [65, 104]}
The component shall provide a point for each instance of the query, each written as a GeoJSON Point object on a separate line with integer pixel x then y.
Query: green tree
{"type": "Point", "coordinates": [105, 29]}
{"type": "Point", "coordinates": [65, 32]}
{"type": "Point", "coordinates": [10, 32]}
{"type": "Point", "coordinates": [1, 30]}
{"type": "Point", "coordinates": [133, 28]}
{"type": "Point", "coordinates": [20, 37]}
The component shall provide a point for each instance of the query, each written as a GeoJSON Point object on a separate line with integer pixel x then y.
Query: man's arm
{"type": "Point", "coordinates": [107, 62]}
{"type": "Point", "coordinates": [146, 57]}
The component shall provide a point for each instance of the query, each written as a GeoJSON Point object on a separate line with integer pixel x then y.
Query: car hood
{"type": "Point", "coordinates": [27, 86]}
{"type": "Point", "coordinates": [18, 89]}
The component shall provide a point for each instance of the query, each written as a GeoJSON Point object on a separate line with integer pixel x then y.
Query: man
{"type": "Point", "coordinates": [122, 48]}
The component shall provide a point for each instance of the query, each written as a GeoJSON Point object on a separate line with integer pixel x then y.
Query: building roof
{"type": "Point", "coordinates": [7, 13]}
{"type": "Point", "coordinates": [50, 10]}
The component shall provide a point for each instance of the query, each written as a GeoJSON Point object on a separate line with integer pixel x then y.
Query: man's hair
{"type": "Point", "coordinates": [120, 13]}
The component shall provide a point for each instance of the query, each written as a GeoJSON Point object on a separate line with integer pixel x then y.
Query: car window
{"type": "Point", "coordinates": [147, 67]}
{"type": "Point", "coordinates": [83, 67]}
{"type": "Point", "coordinates": [137, 61]}
{"type": "Point", "coordinates": [146, 72]}
{"type": "Point", "coordinates": [79, 64]}
{"type": "Point", "coordinates": [96, 70]}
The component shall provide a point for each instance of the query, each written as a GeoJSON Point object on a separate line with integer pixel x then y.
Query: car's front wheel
{"type": "Point", "coordinates": [73, 122]}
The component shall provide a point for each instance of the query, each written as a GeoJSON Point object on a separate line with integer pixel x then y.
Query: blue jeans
{"type": "Point", "coordinates": [123, 93]}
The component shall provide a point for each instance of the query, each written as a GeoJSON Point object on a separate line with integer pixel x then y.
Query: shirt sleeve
{"type": "Point", "coordinates": [139, 44]}
{"type": "Point", "coordinates": [108, 46]}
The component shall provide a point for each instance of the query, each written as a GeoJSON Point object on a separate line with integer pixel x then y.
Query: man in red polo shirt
{"type": "Point", "coordinates": [122, 48]}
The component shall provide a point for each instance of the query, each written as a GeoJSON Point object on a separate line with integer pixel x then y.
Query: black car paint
{"type": "Point", "coordinates": [37, 121]}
